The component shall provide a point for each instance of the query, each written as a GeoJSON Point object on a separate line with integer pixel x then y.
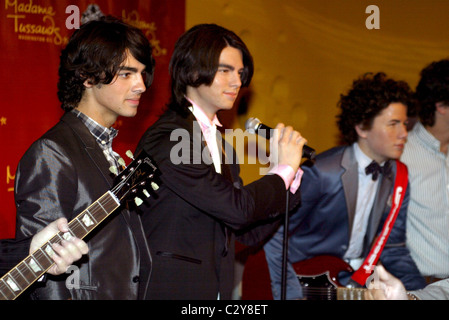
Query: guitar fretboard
{"type": "Point", "coordinates": [36, 264]}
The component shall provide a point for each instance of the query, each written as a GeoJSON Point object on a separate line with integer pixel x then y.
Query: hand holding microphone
{"type": "Point", "coordinates": [253, 125]}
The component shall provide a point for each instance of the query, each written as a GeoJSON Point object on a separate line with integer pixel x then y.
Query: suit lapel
{"type": "Point", "coordinates": [90, 144]}
{"type": "Point", "coordinates": [93, 150]}
{"type": "Point", "coordinates": [226, 172]}
{"type": "Point", "coordinates": [199, 144]}
{"type": "Point", "coordinates": [350, 183]}
{"type": "Point", "coordinates": [225, 159]}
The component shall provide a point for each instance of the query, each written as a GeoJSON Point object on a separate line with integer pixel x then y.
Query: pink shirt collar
{"type": "Point", "coordinates": [201, 116]}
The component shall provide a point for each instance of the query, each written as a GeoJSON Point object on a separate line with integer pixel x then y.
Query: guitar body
{"type": "Point", "coordinates": [319, 276]}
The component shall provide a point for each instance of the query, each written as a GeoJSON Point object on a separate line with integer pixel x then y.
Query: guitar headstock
{"type": "Point", "coordinates": [138, 180]}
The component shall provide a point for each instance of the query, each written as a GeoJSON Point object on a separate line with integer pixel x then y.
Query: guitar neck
{"type": "Point", "coordinates": [36, 264]}
{"type": "Point", "coordinates": [351, 293]}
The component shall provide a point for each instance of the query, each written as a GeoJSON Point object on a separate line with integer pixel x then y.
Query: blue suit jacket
{"type": "Point", "coordinates": [323, 223]}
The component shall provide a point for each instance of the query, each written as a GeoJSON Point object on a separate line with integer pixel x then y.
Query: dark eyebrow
{"type": "Point", "coordinates": [125, 68]}
{"type": "Point", "coordinates": [223, 65]}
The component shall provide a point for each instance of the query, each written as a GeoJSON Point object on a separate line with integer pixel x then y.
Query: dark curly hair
{"type": "Point", "coordinates": [432, 88]}
{"type": "Point", "coordinates": [195, 61]}
{"type": "Point", "coordinates": [95, 52]}
{"type": "Point", "coordinates": [368, 96]}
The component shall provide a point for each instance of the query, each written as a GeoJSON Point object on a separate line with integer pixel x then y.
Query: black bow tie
{"type": "Point", "coordinates": [375, 169]}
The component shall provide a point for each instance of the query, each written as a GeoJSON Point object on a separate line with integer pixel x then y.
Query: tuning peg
{"type": "Point", "coordinates": [145, 192]}
{"type": "Point", "coordinates": [113, 169]}
{"type": "Point", "coordinates": [154, 185]}
{"type": "Point", "coordinates": [138, 201]}
{"type": "Point", "coordinates": [130, 154]}
{"type": "Point", "coordinates": [121, 162]}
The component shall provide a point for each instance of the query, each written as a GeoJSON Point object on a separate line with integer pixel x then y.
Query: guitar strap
{"type": "Point", "coordinates": [400, 186]}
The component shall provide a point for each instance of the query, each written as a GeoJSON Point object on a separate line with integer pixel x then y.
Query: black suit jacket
{"type": "Point", "coordinates": [60, 175]}
{"type": "Point", "coordinates": [191, 227]}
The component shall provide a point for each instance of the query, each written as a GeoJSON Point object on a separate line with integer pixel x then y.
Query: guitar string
{"type": "Point", "coordinates": [95, 211]}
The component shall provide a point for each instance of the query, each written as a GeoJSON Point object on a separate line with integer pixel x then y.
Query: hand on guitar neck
{"type": "Point", "coordinates": [66, 252]}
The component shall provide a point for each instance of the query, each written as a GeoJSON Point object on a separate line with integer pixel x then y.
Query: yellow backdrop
{"type": "Point", "coordinates": [307, 52]}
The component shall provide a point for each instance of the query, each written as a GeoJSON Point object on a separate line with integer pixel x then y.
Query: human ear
{"type": "Point", "coordinates": [441, 107]}
{"type": "Point", "coordinates": [361, 131]}
{"type": "Point", "coordinates": [88, 83]}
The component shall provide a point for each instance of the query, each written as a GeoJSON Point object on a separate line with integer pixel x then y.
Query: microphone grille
{"type": "Point", "coordinates": [252, 124]}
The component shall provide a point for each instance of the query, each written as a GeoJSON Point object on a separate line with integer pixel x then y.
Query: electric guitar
{"type": "Point", "coordinates": [318, 277]}
{"type": "Point", "coordinates": [141, 176]}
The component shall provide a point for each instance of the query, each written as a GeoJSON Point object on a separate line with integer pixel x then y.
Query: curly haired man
{"type": "Point", "coordinates": [344, 205]}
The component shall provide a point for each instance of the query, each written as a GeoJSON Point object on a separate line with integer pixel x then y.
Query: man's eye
{"type": "Point", "coordinates": [124, 74]}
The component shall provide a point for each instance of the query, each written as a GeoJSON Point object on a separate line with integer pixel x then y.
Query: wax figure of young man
{"type": "Point", "coordinates": [426, 156]}
{"type": "Point", "coordinates": [202, 202]}
{"type": "Point", "coordinates": [105, 68]}
{"type": "Point", "coordinates": [343, 208]}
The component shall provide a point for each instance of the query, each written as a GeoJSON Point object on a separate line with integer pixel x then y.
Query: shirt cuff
{"type": "Point", "coordinates": [291, 179]}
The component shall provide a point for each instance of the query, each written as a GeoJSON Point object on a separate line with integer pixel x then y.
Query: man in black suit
{"type": "Point", "coordinates": [202, 202]}
{"type": "Point", "coordinates": [105, 68]}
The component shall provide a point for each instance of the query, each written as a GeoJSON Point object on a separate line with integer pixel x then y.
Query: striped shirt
{"type": "Point", "coordinates": [428, 211]}
{"type": "Point", "coordinates": [104, 137]}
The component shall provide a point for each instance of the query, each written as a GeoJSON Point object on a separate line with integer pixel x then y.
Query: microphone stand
{"type": "Point", "coordinates": [285, 250]}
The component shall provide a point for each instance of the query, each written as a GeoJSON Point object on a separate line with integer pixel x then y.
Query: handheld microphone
{"type": "Point", "coordinates": [253, 125]}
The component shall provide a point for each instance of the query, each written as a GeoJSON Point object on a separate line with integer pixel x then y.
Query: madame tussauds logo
{"type": "Point", "coordinates": [22, 13]}
{"type": "Point", "coordinates": [29, 7]}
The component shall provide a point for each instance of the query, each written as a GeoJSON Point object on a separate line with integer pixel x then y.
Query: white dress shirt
{"type": "Point", "coordinates": [209, 130]}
